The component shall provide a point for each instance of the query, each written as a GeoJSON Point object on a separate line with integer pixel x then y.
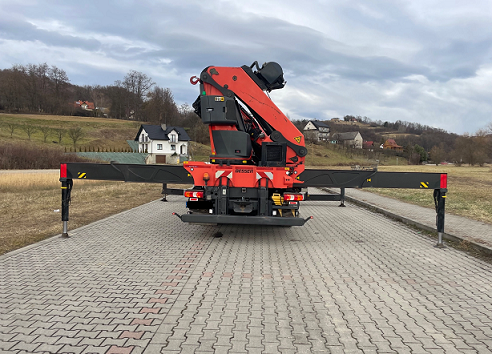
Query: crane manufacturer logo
{"type": "Point", "coordinates": [243, 170]}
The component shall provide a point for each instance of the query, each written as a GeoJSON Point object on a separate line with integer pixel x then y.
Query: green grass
{"type": "Point", "coordinates": [333, 155]}
{"type": "Point", "coordinates": [97, 132]}
{"type": "Point", "coordinates": [469, 190]}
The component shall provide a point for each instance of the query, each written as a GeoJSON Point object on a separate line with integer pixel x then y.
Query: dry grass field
{"type": "Point", "coordinates": [30, 203]}
{"type": "Point", "coordinates": [469, 190]}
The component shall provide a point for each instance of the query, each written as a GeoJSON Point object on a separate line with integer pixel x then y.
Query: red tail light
{"type": "Point", "coordinates": [63, 170]}
{"type": "Point", "coordinates": [193, 194]}
{"type": "Point", "coordinates": [444, 180]}
{"type": "Point", "coordinates": [293, 196]}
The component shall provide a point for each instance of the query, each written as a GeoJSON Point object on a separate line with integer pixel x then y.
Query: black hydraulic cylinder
{"type": "Point", "coordinates": [66, 191]}
{"type": "Point", "coordinates": [440, 202]}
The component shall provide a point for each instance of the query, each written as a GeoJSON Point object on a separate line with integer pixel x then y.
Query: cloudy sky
{"type": "Point", "coordinates": [425, 61]}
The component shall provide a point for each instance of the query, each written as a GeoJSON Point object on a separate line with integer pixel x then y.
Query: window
{"type": "Point", "coordinates": [173, 138]}
{"type": "Point", "coordinates": [173, 147]}
{"type": "Point", "coordinates": [159, 146]}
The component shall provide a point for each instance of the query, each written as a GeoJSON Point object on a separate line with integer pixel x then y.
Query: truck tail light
{"type": "Point", "coordinates": [63, 170]}
{"type": "Point", "coordinates": [444, 180]}
{"type": "Point", "coordinates": [293, 196]}
{"type": "Point", "coordinates": [193, 194]}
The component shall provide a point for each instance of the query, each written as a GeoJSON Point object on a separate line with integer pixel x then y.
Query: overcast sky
{"type": "Point", "coordinates": [425, 61]}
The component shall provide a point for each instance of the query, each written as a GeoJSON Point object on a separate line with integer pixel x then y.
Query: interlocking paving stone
{"type": "Point", "coordinates": [473, 231]}
{"type": "Point", "coordinates": [349, 281]}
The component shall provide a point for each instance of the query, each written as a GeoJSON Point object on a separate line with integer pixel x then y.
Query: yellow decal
{"type": "Point", "coordinates": [298, 138]}
{"type": "Point", "coordinates": [82, 175]}
{"type": "Point", "coordinates": [219, 99]}
{"type": "Point", "coordinates": [369, 180]}
{"type": "Point", "coordinates": [424, 184]}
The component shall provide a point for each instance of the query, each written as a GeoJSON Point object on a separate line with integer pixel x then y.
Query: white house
{"type": "Point", "coordinates": [163, 144]}
{"type": "Point", "coordinates": [319, 130]}
{"type": "Point", "coordinates": [352, 139]}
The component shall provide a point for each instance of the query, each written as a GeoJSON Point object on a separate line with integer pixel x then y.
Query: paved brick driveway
{"type": "Point", "coordinates": [349, 281]}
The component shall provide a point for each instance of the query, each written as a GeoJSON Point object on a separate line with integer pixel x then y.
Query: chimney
{"type": "Point", "coordinates": [164, 127]}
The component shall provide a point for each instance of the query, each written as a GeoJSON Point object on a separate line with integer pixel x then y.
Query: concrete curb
{"type": "Point", "coordinates": [446, 236]}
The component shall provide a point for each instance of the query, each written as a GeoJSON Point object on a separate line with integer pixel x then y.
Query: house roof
{"type": "Point", "coordinates": [346, 136]}
{"type": "Point", "coordinates": [156, 132]}
{"type": "Point", "coordinates": [90, 105]}
{"type": "Point", "coordinates": [319, 124]}
{"type": "Point", "coordinates": [391, 142]}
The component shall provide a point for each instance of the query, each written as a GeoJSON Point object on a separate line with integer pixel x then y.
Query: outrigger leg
{"type": "Point", "coordinates": [342, 197]}
{"type": "Point", "coordinates": [66, 191]}
{"type": "Point", "coordinates": [439, 202]}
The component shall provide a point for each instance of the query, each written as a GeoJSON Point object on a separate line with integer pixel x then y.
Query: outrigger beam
{"type": "Point", "coordinates": [309, 178]}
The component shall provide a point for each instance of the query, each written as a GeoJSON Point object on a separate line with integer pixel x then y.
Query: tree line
{"type": "Point", "coordinates": [40, 88]}
{"type": "Point", "coordinates": [421, 142]}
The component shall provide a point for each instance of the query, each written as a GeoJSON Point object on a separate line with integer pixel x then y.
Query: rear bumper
{"type": "Point", "coordinates": [243, 220]}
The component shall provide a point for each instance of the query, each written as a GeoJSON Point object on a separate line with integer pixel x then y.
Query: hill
{"type": "Point", "coordinates": [103, 134]}
{"type": "Point", "coordinates": [53, 130]}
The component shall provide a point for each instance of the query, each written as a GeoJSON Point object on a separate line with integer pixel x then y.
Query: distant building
{"type": "Point", "coordinates": [319, 129]}
{"type": "Point", "coordinates": [335, 120]}
{"type": "Point", "coordinates": [352, 139]}
{"type": "Point", "coordinates": [368, 145]}
{"type": "Point", "coordinates": [163, 144]}
{"type": "Point", "coordinates": [85, 105]}
{"type": "Point", "coordinates": [391, 144]}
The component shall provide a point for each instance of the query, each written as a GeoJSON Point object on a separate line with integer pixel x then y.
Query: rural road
{"type": "Point", "coordinates": [349, 281]}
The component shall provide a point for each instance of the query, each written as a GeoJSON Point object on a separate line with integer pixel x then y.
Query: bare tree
{"type": "Point", "coordinates": [75, 134]}
{"type": "Point", "coordinates": [160, 107]}
{"type": "Point", "coordinates": [29, 129]}
{"type": "Point", "coordinates": [59, 81]}
{"type": "Point", "coordinates": [12, 88]}
{"type": "Point", "coordinates": [12, 128]}
{"type": "Point", "coordinates": [137, 84]}
{"type": "Point", "coordinates": [45, 131]}
{"type": "Point", "coordinates": [59, 133]}
{"type": "Point", "coordinates": [438, 154]}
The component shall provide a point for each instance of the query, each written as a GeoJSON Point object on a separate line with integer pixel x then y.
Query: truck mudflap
{"type": "Point", "coordinates": [243, 220]}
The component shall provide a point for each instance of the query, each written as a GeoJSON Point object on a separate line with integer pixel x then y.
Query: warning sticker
{"type": "Point", "coordinates": [219, 99]}
{"type": "Point", "coordinates": [298, 138]}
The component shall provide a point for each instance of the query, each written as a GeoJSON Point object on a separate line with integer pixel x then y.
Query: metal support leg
{"type": "Point", "coordinates": [439, 201]}
{"type": "Point", "coordinates": [164, 192]}
{"type": "Point", "coordinates": [342, 197]}
{"type": "Point", "coordinates": [66, 191]}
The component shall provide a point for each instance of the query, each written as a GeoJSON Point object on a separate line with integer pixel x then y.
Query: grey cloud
{"type": "Point", "coordinates": [176, 39]}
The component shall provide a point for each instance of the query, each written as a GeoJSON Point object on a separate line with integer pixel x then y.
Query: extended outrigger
{"type": "Point", "coordinates": [256, 174]}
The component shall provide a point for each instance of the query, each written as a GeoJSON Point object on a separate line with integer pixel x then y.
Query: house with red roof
{"type": "Point", "coordinates": [85, 105]}
{"type": "Point", "coordinates": [391, 144]}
